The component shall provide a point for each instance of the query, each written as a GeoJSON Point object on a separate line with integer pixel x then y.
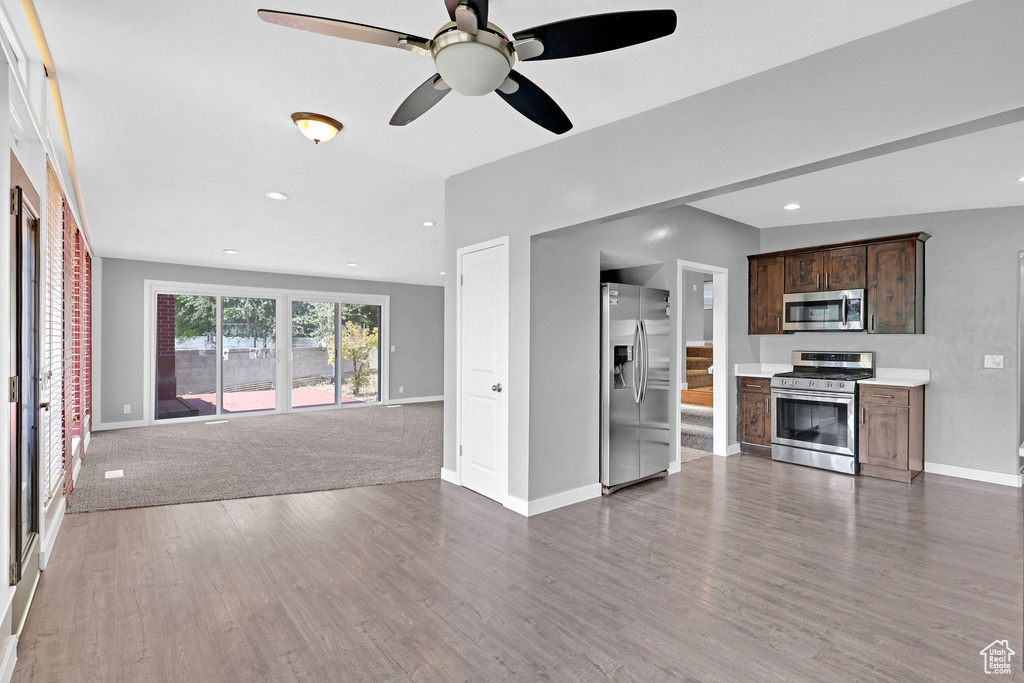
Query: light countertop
{"type": "Point", "coordinates": [891, 377]}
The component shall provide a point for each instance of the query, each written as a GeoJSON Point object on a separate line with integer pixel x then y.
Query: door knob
{"type": "Point", "coordinates": [496, 387]}
{"type": "Point", "coordinates": [45, 405]}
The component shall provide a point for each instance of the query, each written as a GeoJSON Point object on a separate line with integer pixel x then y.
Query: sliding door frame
{"type": "Point", "coordinates": [283, 343]}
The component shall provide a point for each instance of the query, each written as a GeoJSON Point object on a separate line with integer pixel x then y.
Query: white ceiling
{"type": "Point", "coordinates": [179, 117]}
{"type": "Point", "coordinates": [974, 171]}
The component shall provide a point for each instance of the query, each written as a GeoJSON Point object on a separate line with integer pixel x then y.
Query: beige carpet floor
{"type": "Point", "coordinates": [689, 454]}
{"type": "Point", "coordinates": [260, 456]}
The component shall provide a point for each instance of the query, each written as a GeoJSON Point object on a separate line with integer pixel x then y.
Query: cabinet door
{"type": "Point", "coordinates": [891, 287]}
{"type": "Point", "coordinates": [844, 268]}
{"type": "Point", "coordinates": [765, 296]}
{"type": "Point", "coordinates": [884, 435]}
{"type": "Point", "coordinates": [803, 272]}
{"type": "Point", "coordinates": [754, 426]}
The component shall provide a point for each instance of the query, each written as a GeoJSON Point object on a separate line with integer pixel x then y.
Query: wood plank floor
{"type": "Point", "coordinates": [735, 569]}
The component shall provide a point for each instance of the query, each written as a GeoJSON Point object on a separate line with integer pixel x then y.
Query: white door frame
{"type": "Point", "coordinates": [719, 359]}
{"type": "Point", "coordinates": [502, 462]}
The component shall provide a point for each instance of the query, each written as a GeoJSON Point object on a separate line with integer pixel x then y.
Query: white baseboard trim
{"type": "Point", "coordinates": [674, 467]}
{"type": "Point", "coordinates": [450, 476]}
{"type": "Point", "coordinates": [9, 660]}
{"type": "Point", "coordinates": [517, 505]}
{"type": "Point", "coordinates": [75, 471]}
{"type": "Point", "coordinates": [731, 449]}
{"type": "Point", "coordinates": [548, 503]}
{"type": "Point", "coordinates": [47, 545]}
{"type": "Point", "coordinates": [417, 399]}
{"type": "Point", "coordinates": [973, 474]}
{"type": "Point", "coordinates": [104, 427]}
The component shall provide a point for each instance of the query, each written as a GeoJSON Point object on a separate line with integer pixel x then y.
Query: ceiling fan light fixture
{"type": "Point", "coordinates": [472, 68]}
{"type": "Point", "coordinates": [316, 127]}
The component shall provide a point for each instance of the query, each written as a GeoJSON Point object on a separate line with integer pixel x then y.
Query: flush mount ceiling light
{"type": "Point", "coordinates": [429, 224]}
{"type": "Point", "coordinates": [441, 273]}
{"type": "Point", "coordinates": [791, 207]}
{"type": "Point", "coordinates": [352, 265]}
{"type": "Point", "coordinates": [474, 57]}
{"type": "Point", "coordinates": [280, 196]}
{"type": "Point", "coordinates": [316, 127]}
{"type": "Point", "coordinates": [232, 252]}
{"type": "Point", "coordinates": [1021, 179]}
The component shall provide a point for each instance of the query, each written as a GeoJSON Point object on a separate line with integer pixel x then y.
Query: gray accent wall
{"type": "Point", "coordinates": [565, 315]}
{"type": "Point", "coordinates": [972, 276]}
{"type": "Point", "coordinates": [417, 326]}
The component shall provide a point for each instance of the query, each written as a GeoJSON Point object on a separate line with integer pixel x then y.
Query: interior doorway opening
{"type": "Point", "coordinates": [701, 322]}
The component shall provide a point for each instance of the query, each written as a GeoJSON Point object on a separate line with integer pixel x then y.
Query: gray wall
{"type": "Point", "coordinates": [972, 273]}
{"type": "Point", "coordinates": [694, 328]}
{"type": "Point", "coordinates": [565, 316]}
{"type": "Point", "coordinates": [417, 328]}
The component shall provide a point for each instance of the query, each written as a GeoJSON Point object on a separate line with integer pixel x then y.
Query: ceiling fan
{"type": "Point", "coordinates": [475, 57]}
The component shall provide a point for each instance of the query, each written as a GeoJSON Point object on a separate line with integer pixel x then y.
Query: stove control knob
{"type": "Point", "coordinates": [828, 385]}
{"type": "Point", "coordinates": [810, 382]}
{"type": "Point", "coordinates": [842, 385]}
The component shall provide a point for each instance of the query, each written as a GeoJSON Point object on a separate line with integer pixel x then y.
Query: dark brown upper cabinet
{"type": "Point", "coordinates": [895, 287]}
{"type": "Point", "coordinates": [765, 295]}
{"type": "Point", "coordinates": [803, 272]}
{"type": "Point", "coordinates": [889, 269]}
{"type": "Point", "coordinates": [825, 270]}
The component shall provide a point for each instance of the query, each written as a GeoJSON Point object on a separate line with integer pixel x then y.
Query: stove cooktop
{"type": "Point", "coordinates": [830, 373]}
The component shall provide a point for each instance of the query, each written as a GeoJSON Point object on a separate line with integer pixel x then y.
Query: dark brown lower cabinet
{"type": "Point", "coordinates": [891, 432]}
{"type": "Point", "coordinates": [754, 415]}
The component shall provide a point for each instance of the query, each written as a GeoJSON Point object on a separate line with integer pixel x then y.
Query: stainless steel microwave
{"type": "Point", "coordinates": [840, 310]}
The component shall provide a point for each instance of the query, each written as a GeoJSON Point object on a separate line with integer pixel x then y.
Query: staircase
{"type": "Point", "coordinates": [698, 360]}
{"type": "Point", "coordinates": [695, 431]}
{"type": "Point", "coordinates": [695, 409]}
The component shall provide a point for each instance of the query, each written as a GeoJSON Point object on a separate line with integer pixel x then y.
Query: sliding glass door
{"type": "Point", "coordinates": [219, 353]}
{"type": "Point", "coordinates": [314, 365]}
{"type": "Point", "coordinates": [359, 349]}
{"type": "Point", "coordinates": [248, 354]}
{"type": "Point", "coordinates": [186, 356]}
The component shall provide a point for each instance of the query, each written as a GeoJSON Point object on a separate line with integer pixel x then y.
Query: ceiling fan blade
{"type": "Point", "coordinates": [344, 29]}
{"type": "Point", "coordinates": [478, 6]}
{"type": "Point", "coordinates": [535, 104]}
{"type": "Point", "coordinates": [599, 33]}
{"type": "Point", "coordinates": [420, 101]}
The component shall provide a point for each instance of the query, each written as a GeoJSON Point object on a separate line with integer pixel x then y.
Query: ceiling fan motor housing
{"type": "Point", "coordinates": [472, 63]}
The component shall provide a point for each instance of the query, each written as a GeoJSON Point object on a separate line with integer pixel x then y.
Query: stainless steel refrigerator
{"type": "Point", "coordinates": [636, 392]}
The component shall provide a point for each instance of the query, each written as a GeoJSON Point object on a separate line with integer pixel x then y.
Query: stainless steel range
{"type": "Point", "coordinates": [814, 409]}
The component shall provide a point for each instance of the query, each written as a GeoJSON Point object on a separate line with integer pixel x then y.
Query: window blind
{"type": "Point", "coordinates": [52, 374]}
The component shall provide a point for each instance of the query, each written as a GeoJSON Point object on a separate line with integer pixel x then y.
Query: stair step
{"type": "Point", "coordinates": [698, 363]}
{"type": "Point", "coordinates": [699, 378]}
{"type": "Point", "coordinates": [699, 351]}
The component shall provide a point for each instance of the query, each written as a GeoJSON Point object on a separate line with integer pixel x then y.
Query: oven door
{"type": "Point", "coordinates": [815, 420]}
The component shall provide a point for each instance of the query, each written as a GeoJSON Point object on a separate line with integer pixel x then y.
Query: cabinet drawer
{"type": "Point", "coordinates": [890, 396]}
{"type": "Point", "coordinates": [757, 385]}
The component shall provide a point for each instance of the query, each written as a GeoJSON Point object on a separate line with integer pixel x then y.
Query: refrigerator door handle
{"type": "Point", "coordinates": [644, 370]}
{"type": "Point", "coordinates": [637, 355]}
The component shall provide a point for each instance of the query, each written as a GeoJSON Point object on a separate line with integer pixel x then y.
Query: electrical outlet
{"type": "Point", "coordinates": [127, 408]}
{"type": "Point", "coordinates": [401, 390]}
{"type": "Point", "coordinates": [695, 288]}
{"type": "Point", "coordinates": [994, 362]}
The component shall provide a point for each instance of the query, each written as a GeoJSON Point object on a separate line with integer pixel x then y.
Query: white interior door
{"type": "Point", "coordinates": [483, 369]}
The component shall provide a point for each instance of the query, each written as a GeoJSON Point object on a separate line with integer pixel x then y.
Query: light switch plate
{"type": "Point", "coordinates": [994, 362]}
{"type": "Point", "coordinates": [127, 408]}
{"type": "Point", "coordinates": [392, 348]}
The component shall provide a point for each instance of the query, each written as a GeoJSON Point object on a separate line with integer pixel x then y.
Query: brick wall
{"type": "Point", "coordinates": [166, 384]}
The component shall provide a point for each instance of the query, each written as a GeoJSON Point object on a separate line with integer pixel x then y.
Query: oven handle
{"type": "Point", "coordinates": [810, 395]}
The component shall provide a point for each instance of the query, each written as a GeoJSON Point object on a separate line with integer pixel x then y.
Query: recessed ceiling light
{"type": "Point", "coordinates": [280, 196]}
{"type": "Point", "coordinates": [791, 207]}
{"type": "Point", "coordinates": [441, 273]}
{"type": "Point", "coordinates": [352, 265]}
{"type": "Point", "coordinates": [231, 251]}
{"type": "Point", "coordinates": [1021, 179]}
{"type": "Point", "coordinates": [429, 224]}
